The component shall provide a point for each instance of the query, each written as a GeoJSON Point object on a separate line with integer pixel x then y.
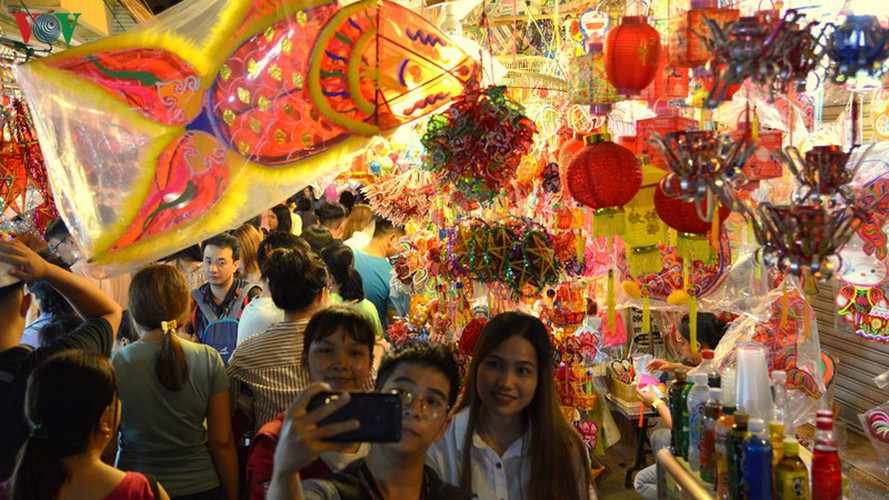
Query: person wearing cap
{"type": "Point", "coordinates": [20, 265]}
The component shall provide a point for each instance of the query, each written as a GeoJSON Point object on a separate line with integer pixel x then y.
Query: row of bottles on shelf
{"type": "Point", "coordinates": [743, 457]}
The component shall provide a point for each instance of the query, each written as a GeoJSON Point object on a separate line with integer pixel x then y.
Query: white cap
{"type": "Point", "coordinates": [7, 279]}
{"type": "Point", "coordinates": [756, 425]}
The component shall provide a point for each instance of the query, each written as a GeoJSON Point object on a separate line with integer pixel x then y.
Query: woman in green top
{"type": "Point", "coordinates": [346, 286]}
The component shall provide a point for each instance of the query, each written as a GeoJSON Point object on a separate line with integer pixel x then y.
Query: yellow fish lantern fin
{"type": "Point", "coordinates": [377, 65]}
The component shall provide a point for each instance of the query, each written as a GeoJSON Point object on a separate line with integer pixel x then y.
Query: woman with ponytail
{"type": "Point", "coordinates": [168, 387]}
{"type": "Point", "coordinates": [73, 410]}
{"type": "Point", "coordinates": [345, 282]}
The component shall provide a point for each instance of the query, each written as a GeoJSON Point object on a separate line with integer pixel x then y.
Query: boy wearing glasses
{"type": "Point", "coordinates": [426, 377]}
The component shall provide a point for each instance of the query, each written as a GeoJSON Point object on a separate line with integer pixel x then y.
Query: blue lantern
{"type": "Point", "coordinates": [859, 44]}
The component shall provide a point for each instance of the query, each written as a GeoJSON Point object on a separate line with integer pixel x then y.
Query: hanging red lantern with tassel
{"type": "Point", "coordinates": [604, 176]}
{"type": "Point", "coordinates": [693, 241]}
{"type": "Point", "coordinates": [632, 53]}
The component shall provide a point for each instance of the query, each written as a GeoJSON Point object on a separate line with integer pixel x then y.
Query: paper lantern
{"type": "Point", "coordinates": [761, 165]}
{"type": "Point", "coordinates": [588, 82]}
{"type": "Point", "coordinates": [693, 241]}
{"type": "Point", "coordinates": [669, 83]}
{"type": "Point", "coordinates": [644, 230]}
{"type": "Point", "coordinates": [692, 48]}
{"type": "Point", "coordinates": [632, 51]}
{"type": "Point", "coordinates": [604, 176]}
{"type": "Point", "coordinates": [662, 125]}
{"type": "Point", "coordinates": [569, 149]}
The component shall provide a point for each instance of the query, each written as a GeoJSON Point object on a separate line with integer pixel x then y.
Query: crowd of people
{"type": "Point", "coordinates": [191, 378]}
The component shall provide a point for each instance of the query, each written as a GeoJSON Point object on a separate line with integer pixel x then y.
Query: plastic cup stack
{"type": "Point", "coordinates": [753, 392]}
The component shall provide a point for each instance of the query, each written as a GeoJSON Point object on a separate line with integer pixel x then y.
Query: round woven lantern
{"type": "Point", "coordinates": [632, 52]}
{"type": "Point", "coordinates": [604, 176]}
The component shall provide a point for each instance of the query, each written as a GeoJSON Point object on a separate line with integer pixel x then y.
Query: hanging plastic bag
{"type": "Point", "coordinates": [876, 425]}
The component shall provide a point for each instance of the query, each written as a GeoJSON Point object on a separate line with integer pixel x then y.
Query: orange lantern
{"type": "Point", "coordinates": [669, 82]}
{"type": "Point", "coordinates": [691, 48]}
{"type": "Point", "coordinates": [668, 121]}
{"type": "Point", "coordinates": [604, 176]}
{"type": "Point", "coordinates": [632, 52]}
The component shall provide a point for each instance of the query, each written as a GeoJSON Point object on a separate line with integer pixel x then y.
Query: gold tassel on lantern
{"type": "Point", "coordinates": [644, 231]}
{"type": "Point", "coordinates": [611, 300]}
{"type": "Point", "coordinates": [693, 321]}
{"type": "Point", "coordinates": [714, 229]}
{"type": "Point", "coordinates": [646, 311]}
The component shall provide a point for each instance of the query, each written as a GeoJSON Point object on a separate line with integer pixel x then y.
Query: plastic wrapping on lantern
{"type": "Point", "coordinates": [194, 122]}
{"type": "Point", "coordinates": [792, 345]}
{"type": "Point", "coordinates": [746, 284]}
{"type": "Point", "coordinates": [875, 423]}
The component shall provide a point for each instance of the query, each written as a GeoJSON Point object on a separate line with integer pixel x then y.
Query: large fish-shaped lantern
{"type": "Point", "coordinates": [158, 138]}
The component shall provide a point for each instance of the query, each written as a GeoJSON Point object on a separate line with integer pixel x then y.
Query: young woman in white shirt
{"type": "Point", "coordinates": [508, 439]}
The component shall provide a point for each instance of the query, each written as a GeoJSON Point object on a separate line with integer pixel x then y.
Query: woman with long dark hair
{"type": "Point", "coordinates": [279, 219]}
{"type": "Point", "coordinates": [169, 387]}
{"type": "Point", "coordinates": [73, 411]}
{"type": "Point", "coordinates": [345, 283]}
{"type": "Point", "coordinates": [508, 438]}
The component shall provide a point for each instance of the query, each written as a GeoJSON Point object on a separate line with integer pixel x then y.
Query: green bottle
{"type": "Point", "coordinates": [736, 437]}
{"type": "Point", "coordinates": [791, 474]}
{"type": "Point", "coordinates": [676, 406]}
{"type": "Point", "coordinates": [683, 435]}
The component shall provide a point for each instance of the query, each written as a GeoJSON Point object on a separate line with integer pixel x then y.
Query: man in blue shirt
{"type": "Point", "coordinates": [372, 263]}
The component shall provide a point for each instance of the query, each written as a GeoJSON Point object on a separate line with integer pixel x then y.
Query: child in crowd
{"type": "Point", "coordinates": [338, 350]}
{"type": "Point", "coordinates": [168, 388]}
{"type": "Point", "coordinates": [710, 331]}
{"type": "Point", "coordinates": [73, 411]}
{"type": "Point", "coordinates": [508, 439]}
{"type": "Point", "coordinates": [426, 377]}
{"type": "Point", "coordinates": [265, 368]}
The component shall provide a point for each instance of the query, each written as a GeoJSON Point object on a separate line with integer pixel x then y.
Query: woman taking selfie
{"type": "Point", "coordinates": [508, 439]}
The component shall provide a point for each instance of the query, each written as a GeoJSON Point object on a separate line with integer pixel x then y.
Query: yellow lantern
{"type": "Point", "coordinates": [644, 230]}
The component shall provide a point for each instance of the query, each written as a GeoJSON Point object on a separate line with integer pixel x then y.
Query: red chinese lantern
{"type": "Point", "coordinates": [632, 52]}
{"type": "Point", "coordinates": [682, 216]}
{"type": "Point", "coordinates": [604, 176]}
{"type": "Point", "coordinates": [569, 149]}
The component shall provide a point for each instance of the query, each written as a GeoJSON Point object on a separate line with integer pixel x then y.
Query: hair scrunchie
{"type": "Point", "coordinates": [169, 326]}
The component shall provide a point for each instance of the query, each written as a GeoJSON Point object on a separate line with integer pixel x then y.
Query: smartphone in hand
{"type": "Point", "coordinates": [378, 412]}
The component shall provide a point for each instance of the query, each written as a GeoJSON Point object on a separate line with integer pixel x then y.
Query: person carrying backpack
{"type": "Point", "coordinates": [220, 301]}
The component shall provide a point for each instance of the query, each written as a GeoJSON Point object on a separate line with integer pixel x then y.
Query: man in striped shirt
{"type": "Point", "coordinates": [267, 370]}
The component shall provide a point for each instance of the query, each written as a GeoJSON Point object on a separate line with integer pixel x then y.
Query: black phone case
{"type": "Point", "coordinates": [378, 412]}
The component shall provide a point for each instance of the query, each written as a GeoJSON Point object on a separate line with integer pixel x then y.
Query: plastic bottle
{"type": "Point", "coordinates": [776, 436]}
{"type": "Point", "coordinates": [676, 390]}
{"type": "Point", "coordinates": [757, 462]}
{"type": "Point", "coordinates": [779, 397]}
{"type": "Point", "coordinates": [708, 366]}
{"type": "Point", "coordinates": [712, 411]}
{"type": "Point", "coordinates": [697, 398]}
{"type": "Point", "coordinates": [723, 426]}
{"type": "Point", "coordinates": [827, 476]}
{"type": "Point", "coordinates": [791, 475]}
{"type": "Point", "coordinates": [736, 437]}
{"type": "Point", "coordinates": [683, 422]}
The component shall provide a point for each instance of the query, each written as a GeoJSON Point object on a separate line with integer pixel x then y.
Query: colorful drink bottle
{"type": "Point", "coordinates": [736, 437]}
{"type": "Point", "coordinates": [697, 398]}
{"type": "Point", "coordinates": [676, 390]}
{"type": "Point", "coordinates": [757, 462]}
{"type": "Point", "coordinates": [723, 426]}
{"type": "Point", "coordinates": [712, 411]}
{"type": "Point", "coordinates": [791, 475]}
{"type": "Point", "coordinates": [827, 476]}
